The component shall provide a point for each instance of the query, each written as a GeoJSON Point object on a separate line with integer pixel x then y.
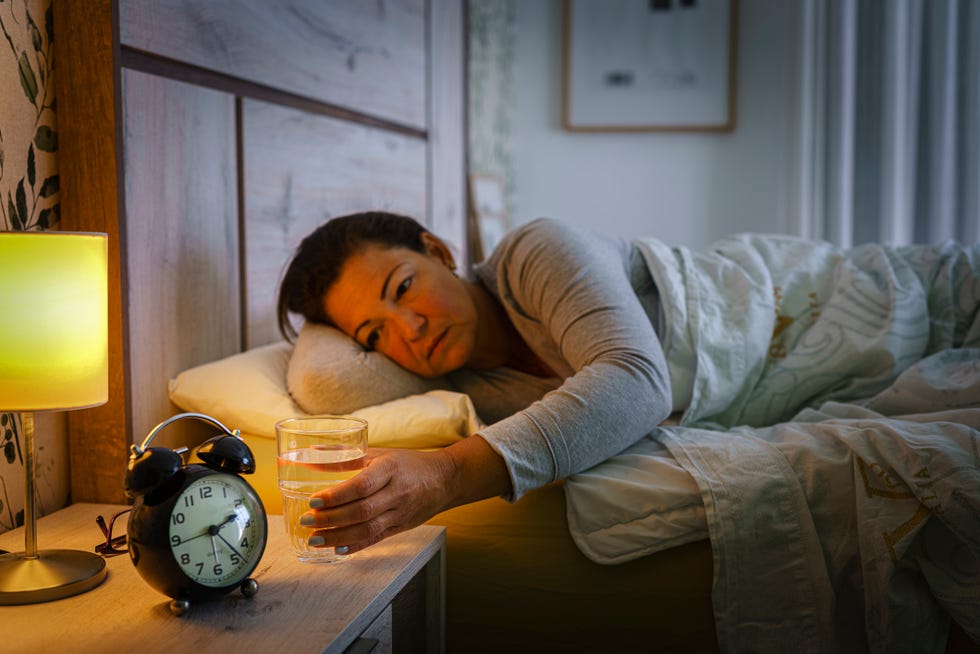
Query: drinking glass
{"type": "Point", "coordinates": [316, 452]}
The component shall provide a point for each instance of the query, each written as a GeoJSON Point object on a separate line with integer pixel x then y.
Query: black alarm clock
{"type": "Point", "coordinates": [196, 530]}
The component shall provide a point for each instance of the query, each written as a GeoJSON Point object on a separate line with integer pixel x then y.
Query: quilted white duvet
{"type": "Point", "coordinates": [831, 449]}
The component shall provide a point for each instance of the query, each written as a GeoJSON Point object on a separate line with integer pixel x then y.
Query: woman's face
{"type": "Point", "coordinates": [407, 305]}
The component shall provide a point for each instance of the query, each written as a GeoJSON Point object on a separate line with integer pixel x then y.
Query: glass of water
{"type": "Point", "coordinates": [315, 452]}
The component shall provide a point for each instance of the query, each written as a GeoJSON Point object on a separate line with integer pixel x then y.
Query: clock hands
{"type": "Point", "coordinates": [187, 540]}
{"type": "Point", "coordinates": [215, 531]}
{"type": "Point", "coordinates": [224, 540]}
{"type": "Point", "coordinates": [230, 546]}
{"type": "Point", "coordinates": [212, 530]}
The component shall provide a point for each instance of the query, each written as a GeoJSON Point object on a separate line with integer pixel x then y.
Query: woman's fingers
{"type": "Point", "coordinates": [369, 481]}
{"type": "Point", "coordinates": [357, 537]}
{"type": "Point", "coordinates": [399, 489]}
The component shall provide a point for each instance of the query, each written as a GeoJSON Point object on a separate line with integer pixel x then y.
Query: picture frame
{"type": "Point", "coordinates": [649, 65]}
{"type": "Point", "coordinates": [488, 213]}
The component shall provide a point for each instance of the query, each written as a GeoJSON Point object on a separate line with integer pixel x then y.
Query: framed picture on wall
{"type": "Point", "coordinates": [649, 65]}
{"type": "Point", "coordinates": [488, 213]}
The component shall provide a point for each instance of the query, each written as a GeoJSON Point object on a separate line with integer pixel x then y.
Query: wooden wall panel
{"type": "Point", "coordinates": [182, 235]}
{"type": "Point", "coordinates": [447, 125]}
{"type": "Point", "coordinates": [88, 172]}
{"type": "Point", "coordinates": [368, 56]}
{"type": "Point", "coordinates": [301, 169]}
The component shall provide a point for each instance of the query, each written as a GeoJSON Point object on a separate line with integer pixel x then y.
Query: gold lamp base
{"type": "Point", "coordinates": [54, 574]}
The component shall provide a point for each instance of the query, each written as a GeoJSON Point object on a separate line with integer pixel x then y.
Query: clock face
{"type": "Point", "coordinates": [217, 532]}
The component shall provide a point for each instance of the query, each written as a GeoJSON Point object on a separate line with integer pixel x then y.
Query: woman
{"type": "Point", "coordinates": [755, 329]}
{"type": "Point", "coordinates": [549, 302]}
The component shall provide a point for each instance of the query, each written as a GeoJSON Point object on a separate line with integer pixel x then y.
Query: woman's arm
{"type": "Point", "coordinates": [401, 489]}
{"type": "Point", "coordinates": [570, 293]}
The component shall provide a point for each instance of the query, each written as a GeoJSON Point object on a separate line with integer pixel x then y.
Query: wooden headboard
{"type": "Point", "coordinates": [207, 138]}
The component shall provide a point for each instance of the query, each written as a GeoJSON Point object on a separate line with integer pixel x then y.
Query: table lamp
{"type": "Point", "coordinates": [53, 356]}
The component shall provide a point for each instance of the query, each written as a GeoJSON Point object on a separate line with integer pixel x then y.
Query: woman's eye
{"type": "Point", "coordinates": [403, 287]}
{"type": "Point", "coordinates": [372, 339]}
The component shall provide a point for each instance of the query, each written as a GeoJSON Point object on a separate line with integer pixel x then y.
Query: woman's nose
{"type": "Point", "coordinates": [410, 324]}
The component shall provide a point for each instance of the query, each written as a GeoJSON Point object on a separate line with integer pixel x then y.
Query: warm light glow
{"type": "Point", "coordinates": [53, 320]}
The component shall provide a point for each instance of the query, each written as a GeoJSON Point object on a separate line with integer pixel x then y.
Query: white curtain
{"type": "Point", "coordinates": [889, 122]}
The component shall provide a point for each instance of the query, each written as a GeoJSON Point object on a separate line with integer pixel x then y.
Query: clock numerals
{"type": "Point", "coordinates": [213, 532]}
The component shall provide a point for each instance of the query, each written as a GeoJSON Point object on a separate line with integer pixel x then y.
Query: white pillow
{"type": "Point", "coordinates": [329, 372]}
{"type": "Point", "coordinates": [247, 391]}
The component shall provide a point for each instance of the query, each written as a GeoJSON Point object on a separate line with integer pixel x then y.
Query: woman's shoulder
{"type": "Point", "coordinates": [550, 237]}
{"type": "Point", "coordinates": [545, 228]}
{"type": "Point", "coordinates": [547, 248]}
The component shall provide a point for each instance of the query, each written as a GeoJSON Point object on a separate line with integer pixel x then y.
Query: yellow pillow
{"type": "Point", "coordinates": [247, 391]}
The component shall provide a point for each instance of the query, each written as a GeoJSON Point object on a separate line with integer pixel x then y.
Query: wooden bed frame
{"type": "Point", "coordinates": [207, 143]}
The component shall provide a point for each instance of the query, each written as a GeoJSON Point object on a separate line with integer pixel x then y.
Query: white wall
{"type": "Point", "coordinates": [681, 187]}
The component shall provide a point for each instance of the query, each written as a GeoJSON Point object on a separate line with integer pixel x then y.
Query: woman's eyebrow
{"type": "Point", "coordinates": [384, 291]}
{"type": "Point", "coordinates": [384, 287]}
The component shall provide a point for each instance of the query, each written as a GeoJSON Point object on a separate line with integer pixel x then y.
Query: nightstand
{"type": "Point", "coordinates": [388, 598]}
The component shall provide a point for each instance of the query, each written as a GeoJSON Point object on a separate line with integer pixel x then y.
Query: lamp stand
{"type": "Point", "coordinates": [35, 576]}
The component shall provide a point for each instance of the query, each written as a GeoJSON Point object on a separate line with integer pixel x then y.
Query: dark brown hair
{"type": "Point", "coordinates": [321, 256]}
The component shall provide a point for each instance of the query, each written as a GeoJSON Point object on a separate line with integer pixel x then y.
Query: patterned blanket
{"type": "Point", "coordinates": [831, 449]}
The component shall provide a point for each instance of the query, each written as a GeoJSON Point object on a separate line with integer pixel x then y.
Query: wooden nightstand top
{"type": "Point", "coordinates": [300, 607]}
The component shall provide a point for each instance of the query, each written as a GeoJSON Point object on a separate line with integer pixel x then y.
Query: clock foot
{"type": "Point", "coordinates": [180, 606]}
{"type": "Point", "coordinates": [250, 587]}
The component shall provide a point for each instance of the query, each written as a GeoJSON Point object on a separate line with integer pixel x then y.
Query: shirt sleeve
{"type": "Point", "coordinates": [569, 294]}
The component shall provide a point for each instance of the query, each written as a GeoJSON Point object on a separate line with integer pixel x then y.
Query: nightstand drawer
{"type": "Point", "coordinates": [377, 638]}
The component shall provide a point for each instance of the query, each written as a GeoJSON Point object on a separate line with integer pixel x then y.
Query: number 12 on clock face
{"type": "Point", "coordinates": [214, 537]}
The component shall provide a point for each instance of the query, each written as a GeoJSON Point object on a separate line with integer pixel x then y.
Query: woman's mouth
{"type": "Point", "coordinates": [435, 343]}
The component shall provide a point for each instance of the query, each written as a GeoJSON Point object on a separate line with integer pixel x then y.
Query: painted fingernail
{"type": "Point", "coordinates": [315, 541]}
{"type": "Point", "coordinates": [341, 549]}
{"type": "Point", "coordinates": [307, 520]}
{"type": "Point", "coordinates": [316, 503]}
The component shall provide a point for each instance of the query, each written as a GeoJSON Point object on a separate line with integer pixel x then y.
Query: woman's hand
{"type": "Point", "coordinates": [401, 489]}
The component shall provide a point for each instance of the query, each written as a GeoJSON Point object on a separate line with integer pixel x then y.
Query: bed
{"type": "Point", "coordinates": [828, 451]}
{"type": "Point", "coordinates": [206, 139]}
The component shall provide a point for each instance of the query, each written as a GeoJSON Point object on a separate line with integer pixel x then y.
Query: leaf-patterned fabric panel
{"type": "Point", "coordinates": [29, 200]}
{"type": "Point", "coordinates": [28, 140]}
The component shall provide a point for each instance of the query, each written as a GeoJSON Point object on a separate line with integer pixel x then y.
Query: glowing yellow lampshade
{"type": "Point", "coordinates": [53, 320]}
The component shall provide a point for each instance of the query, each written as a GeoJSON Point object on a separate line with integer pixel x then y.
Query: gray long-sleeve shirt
{"type": "Point", "coordinates": [586, 305]}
